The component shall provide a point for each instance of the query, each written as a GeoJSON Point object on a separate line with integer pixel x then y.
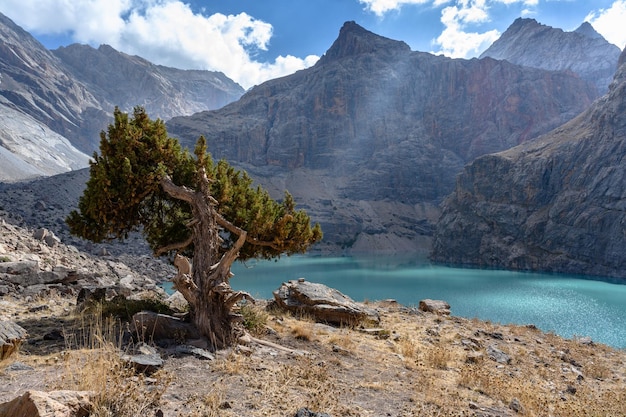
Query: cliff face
{"type": "Point", "coordinates": [557, 203]}
{"type": "Point", "coordinates": [371, 138]}
{"type": "Point", "coordinates": [583, 51]}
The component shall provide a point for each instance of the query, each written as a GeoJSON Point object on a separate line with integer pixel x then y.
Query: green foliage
{"type": "Point", "coordinates": [254, 318]}
{"type": "Point", "coordinates": [124, 194]}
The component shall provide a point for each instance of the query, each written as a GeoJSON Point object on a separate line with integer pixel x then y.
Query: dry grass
{"type": "Point", "coordinates": [93, 362]}
{"type": "Point", "coordinates": [427, 366]}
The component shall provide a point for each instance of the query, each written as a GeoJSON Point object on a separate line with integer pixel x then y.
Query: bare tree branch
{"type": "Point", "coordinates": [174, 246]}
{"type": "Point", "coordinates": [177, 191]}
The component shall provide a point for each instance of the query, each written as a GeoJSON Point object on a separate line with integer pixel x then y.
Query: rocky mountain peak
{"type": "Point", "coordinates": [587, 30]}
{"type": "Point", "coordinates": [557, 204]}
{"type": "Point", "coordinates": [354, 40]}
{"type": "Point", "coordinates": [584, 52]}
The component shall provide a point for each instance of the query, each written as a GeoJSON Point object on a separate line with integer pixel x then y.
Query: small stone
{"type": "Point", "coordinates": [497, 355]}
{"type": "Point", "coordinates": [474, 357]}
{"type": "Point", "coordinates": [516, 406]}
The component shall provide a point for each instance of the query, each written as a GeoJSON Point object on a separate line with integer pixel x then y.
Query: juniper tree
{"type": "Point", "coordinates": [143, 180]}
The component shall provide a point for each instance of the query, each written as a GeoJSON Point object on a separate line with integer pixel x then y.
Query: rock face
{"type": "Point", "coordinates": [49, 404]}
{"type": "Point", "coordinates": [583, 51]}
{"type": "Point", "coordinates": [323, 303]}
{"type": "Point", "coordinates": [369, 140]}
{"type": "Point", "coordinates": [557, 203]}
{"type": "Point", "coordinates": [53, 105]}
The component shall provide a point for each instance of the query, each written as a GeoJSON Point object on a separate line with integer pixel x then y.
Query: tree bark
{"type": "Point", "coordinates": [207, 289]}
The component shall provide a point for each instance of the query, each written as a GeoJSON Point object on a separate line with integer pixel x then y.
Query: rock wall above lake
{"type": "Point", "coordinates": [370, 139]}
{"type": "Point", "coordinates": [557, 203]}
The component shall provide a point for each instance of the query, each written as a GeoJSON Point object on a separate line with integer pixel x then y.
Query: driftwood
{"type": "Point", "coordinates": [246, 339]}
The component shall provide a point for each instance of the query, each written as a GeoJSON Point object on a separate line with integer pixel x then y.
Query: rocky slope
{"type": "Point", "coordinates": [41, 104]}
{"type": "Point", "coordinates": [557, 203]}
{"type": "Point", "coordinates": [370, 139]}
{"type": "Point", "coordinates": [54, 104]}
{"type": "Point", "coordinates": [583, 51]}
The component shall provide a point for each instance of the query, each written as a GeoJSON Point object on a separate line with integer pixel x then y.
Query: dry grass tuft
{"type": "Point", "coordinates": [96, 365]}
{"type": "Point", "coordinates": [303, 331]}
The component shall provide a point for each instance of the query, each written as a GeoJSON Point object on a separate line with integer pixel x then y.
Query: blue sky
{"type": "Point", "coordinates": [252, 41]}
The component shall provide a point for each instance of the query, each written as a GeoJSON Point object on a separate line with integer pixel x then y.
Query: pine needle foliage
{"type": "Point", "coordinates": [124, 194]}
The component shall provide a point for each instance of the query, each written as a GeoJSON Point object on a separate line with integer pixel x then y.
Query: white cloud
{"type": "Point", "coordinates": [456, 40]}
{"type": "Point", "coordinates": [610, 23]}
{"type": "Point", "coordinates": [165, 32]}
{"type": "Point", "coordinates": [380, 7]}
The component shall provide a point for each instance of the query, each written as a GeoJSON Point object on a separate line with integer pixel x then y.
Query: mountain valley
{"type": "Point", "coordinates": [369, 140]}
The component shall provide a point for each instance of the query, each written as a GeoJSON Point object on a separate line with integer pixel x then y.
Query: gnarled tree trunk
{"type": "Point", "coordinates": [207, 288]}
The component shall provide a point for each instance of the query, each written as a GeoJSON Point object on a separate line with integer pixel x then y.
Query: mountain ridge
{"type": "Point", "coordinates": [583, 51]}
{"type": "Point", "coordinates": [375, 139]}
{"type": "Point", "coordinates": [59, 104]}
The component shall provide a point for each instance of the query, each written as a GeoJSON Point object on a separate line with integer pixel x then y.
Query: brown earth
{"type": "Point", "coordinates": [416, 364]}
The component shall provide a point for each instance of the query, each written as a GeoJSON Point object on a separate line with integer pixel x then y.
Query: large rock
{"type": "Point", "coordinates": [49, 404]}
{"type": "Point", "coordinates": [371, 138]}
{"type": "Point", "coordinates": [11, 337]}
{"type": "Point", "coordinates": [557, 203]}
{"type": "Point", "coordinates": [323, 303]}
{"type": "Point", "coordinates": [435, 306]}
{"type": "Point", "coordinates": [584, 51]}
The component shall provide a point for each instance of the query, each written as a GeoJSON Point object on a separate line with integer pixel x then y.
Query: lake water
{"type": "Point", "coordinates": [565, 304]}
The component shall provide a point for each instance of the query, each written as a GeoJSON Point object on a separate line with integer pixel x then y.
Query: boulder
{"type": "Point", "coordinates": [435, 306]}
{"type": "Point", "coordinates": [497, 355]}
{"type": "Point", "coordinates": [49, 404]}
{"type": "Point", "coordinates": [322, 303]}
{"type": "Point", "coordinates": [11, 337]}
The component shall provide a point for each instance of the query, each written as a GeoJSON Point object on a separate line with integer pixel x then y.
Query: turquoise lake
{"type": "Point", "coordinates": [568, 305]}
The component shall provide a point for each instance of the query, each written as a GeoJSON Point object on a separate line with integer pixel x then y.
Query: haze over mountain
{"type": "Point", "coordinates": [54, 104]}
{"type": "Point", "coordinates": [583, 51]}
{"type": "Point", "coordinates": [557, 203]}
{"type": "Point", "coordinates": [370, 139]}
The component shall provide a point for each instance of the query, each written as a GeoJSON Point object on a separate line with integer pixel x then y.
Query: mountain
{"type": "Point", "coordinates": [583, 51]}
{"type": "Point", "coordinates": [370, 139]}
{"type": "Point", "coordinates": [557, 203]}
{"type": "Point", "coordinates": [127, 81]}
{"type": "Point", "coordinates": [32, 127]}
{"type": "Point", "coordinates": [55, 103]}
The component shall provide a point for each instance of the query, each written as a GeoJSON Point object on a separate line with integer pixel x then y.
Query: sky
{"type": "Point", "coordinates": [252, 41]}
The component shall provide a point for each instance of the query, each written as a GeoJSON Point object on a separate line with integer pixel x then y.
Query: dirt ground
{"type": "Point", "coordinates": [412, 364]}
